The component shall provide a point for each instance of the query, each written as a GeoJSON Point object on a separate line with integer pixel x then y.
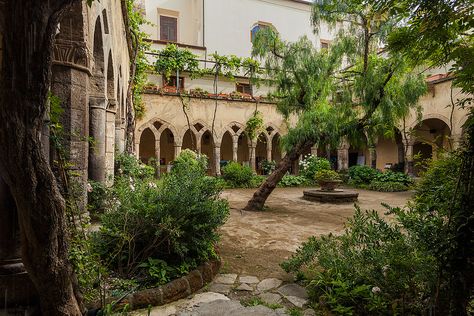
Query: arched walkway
{"type": "Point", "coordinates": [147, 146]}
{"type": "Point", "coordinates": [207, 148]}
{"type": "Point", "coordinates": [243, 155]}
{"type": "Point", "coordinates": [261, 151]}
{"type": "Point", "coordinates": [189, 141]}
{"type": "Point", "coordinates": [226, 148]}
{"type": "Point", "coordinates": [167, 150]}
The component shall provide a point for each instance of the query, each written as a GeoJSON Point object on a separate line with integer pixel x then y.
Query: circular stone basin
{"type": "Point", "coordinates": [336, 196]}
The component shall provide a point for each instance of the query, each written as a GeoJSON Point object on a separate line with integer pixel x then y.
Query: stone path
{"type": "Point", "coordinates": [239, 295]}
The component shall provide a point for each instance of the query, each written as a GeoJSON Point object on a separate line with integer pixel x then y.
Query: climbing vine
{"type": "Point", "coordinates": [254, 125]}
{"type": "Point", "coordinates": [140, 65]}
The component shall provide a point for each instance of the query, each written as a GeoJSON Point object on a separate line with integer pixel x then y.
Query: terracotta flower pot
{"type": "Point", "coordinates": [329, 185]}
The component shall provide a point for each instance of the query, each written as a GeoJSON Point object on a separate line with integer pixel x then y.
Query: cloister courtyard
{"type": "Point", "coordinates": [257, 242]}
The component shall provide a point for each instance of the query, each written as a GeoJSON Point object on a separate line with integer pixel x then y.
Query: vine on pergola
{"type": "Point", "coordinates": [173, 60]}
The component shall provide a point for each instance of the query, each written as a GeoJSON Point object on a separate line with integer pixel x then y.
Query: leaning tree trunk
{"type": "Point", "coordinates": [257, 202]}
{"type": "Point", "coordinates": [29, 29]}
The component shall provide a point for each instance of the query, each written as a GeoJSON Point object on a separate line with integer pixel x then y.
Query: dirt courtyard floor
{"type": "Point", "coordinates": [255, 243]}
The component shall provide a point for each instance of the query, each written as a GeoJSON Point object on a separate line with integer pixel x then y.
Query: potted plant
{"type": "Point", "coordinates": [327, 179]}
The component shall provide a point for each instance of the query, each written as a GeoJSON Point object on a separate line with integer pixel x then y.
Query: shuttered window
{"type": "Point", "coordinates": [168, 28]}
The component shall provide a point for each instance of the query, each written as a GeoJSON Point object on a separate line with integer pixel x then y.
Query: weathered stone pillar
{"type": "Point", "coordinates": [157, 157]}
{"type": "Point", "coordinates": [16, 288]}
{"type": "Point", "coordinates": [217, 159]}
{"type": "Point", "coordinates": [253, 164]}
{"type": "Point", "coordinates": [120, 136]}
{"type": "Point", "coordinates": [110, 142]}
{"type": "Point", "coordinates": [198, 144]}
{"type": "Point", "coordinates": [177, 151]}
{"type": "Point", "coordinates": [314, 150]}
{"type": "Point", "coordinates": [456, 141]}
{"type": "Point", "coordinates": [269, 151]}
{"type": "Point", "coordinates": [69, 84]}
{"type": "Point", "coordinates": [235, 147]}
{"type": "Point", "coordinates": [97, 105]}
{"type": "Point", "coordinates": [343, 157]}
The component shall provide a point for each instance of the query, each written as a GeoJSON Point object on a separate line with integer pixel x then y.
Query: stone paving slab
{"type": "Point", "coordinates": [244, 287]}
{"type": "Point", "coordinates": [297, 301]}
{"type": "Point", "coordinates": [248, 279]}
{"type": "Point", "coordinates": [225, 278]}
{"type": "Point", "coordinates": [220, 288]}
{"type": "Point", "coordinates": [228, 308]}
{"type": "Point", "coordinates": [270, 298]}
{"type": "Point", "coordinates": [293, 289]}
{"type": "Point", "coordinates": [268, 284]}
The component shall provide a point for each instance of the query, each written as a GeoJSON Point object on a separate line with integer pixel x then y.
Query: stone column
{"type": "Point", "coordinates": [456, 141]}
{"type": "Point", "coordinates": [235, 147]}
{"type": "Point", "coordinates": [314, 150]}
{"type": "Point", "coordinates": [217, 159]}
{"type": "Point", "coordinates": [343, 155]}
{"type": "Point", "coordinates": [269, 151]}
{"type": "Point", "coordinates": [120, 136]}
{"type": "Point", "coordinates": [157, 157]}
{"type": "Point", "coordinates": [110, 142]}
{"type": "Point", "coordinates": [69, 84]}
{"type": "Point", "coordinates": [198, 143]}
{"type": "Point", "coordinates": [252, 157]}
{"type": "Point", "coordinates": [16, 288]}
{"type": "Point", "coordinates": [177, 151]}
{"type": "Point", "coordinates": [97, 105]}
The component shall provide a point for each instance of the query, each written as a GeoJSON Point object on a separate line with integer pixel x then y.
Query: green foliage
{"type": "Point", "coordinates": [237, 176]}
{"type": "Point", "coordinates": [172, 59]}
{"type": "Point", "coordinates": [268, 166]}
{"type": "Point", "coordinates": [96, 198]}
{"type": "Point", "coordinates": [310, 165]}
{"type": "Point", "coordinates": [289, 180]}
{"type": "Point", "coordinates": [128, 165]}
{"type": "Point", "coordinates": [394, 177]}
{"type": "Point", "coordinates": [188, 158]}
{"type": "Point", "coordinates": [387, 186]}
{"type": "Point", "coordinates": [136, 19]}
{"type": "Point", "coordinates": [254, 125]}
{"type": "Point", "coordinates": [373, 268]}
{"type": "Point", "coordinates": [148, 219]}
{"type": "Point", "coordinates": [361, 174]}
{"type": "Point", "coordinates": [255, 301]}
{"type": "Point", "coordinates": [327, 175]}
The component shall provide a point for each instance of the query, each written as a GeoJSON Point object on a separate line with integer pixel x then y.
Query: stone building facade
{"type": "Point", "coordinates": [90, 76]}
{"type": "Point", "coordinates": [199, 26]}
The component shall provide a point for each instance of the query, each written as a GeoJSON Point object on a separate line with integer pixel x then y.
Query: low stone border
{"type": "Point", "coordinates": [174, 290]}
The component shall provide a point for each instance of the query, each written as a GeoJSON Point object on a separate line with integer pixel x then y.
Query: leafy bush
{"type": "Point", "coordinates": [174, 220]}
{"type": "Point", "coordinates": [387, 186]}
{"type": "Point", "coordinates": [327, 175]}
{"type": "Point", "coordinates": [268, 166]}
{"type": "Point", "coordinates": [393, 177]}
{"type": "Point", "coordinates": [257, 181]}
{"type": "Point", "coordinates": [96, 198]}
{"type": "Point", "coordinates": [293, 181]}
{"type": "Point", "coordinates": [373, 268]}
{"type": "Point", "coordinates": [310, 165]}
{"type": "Point", "coordinates": [189, 159]}
{"type": "Point", "coordinates": [361, 174]}
{"type": "Point", "coordinates": [236, 175]}
{"type": "Point", "coordinates": [128, 165]}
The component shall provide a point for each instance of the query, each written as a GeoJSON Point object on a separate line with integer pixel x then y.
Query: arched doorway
{"type": "Point", "coordinates": [391, 152]}
{"type": "Point", "coordinates": [227, 144]}
{"type": "Point", "coordinates": [431, 137]}
{"type": "Point", "coordinates": [166, 150]}
{"type": "Point", "coordinates": [276, 149]}
{"type": "Point", "coordinates": [147, 149]}
{"type": "Point", "coordinates": [260, 152]}
{"type": "Point", "coordinates": [207, 148]}
{"type": "Point", "coordinates": [189, 141]}
{"type": "Point", "coordinates": [243, 150]}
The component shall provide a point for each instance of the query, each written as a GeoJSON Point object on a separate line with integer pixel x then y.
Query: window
{"type": "Point", "coordinates": [168, 28]}
{"type": "Point", "coordinates": [259, 26]}
{"type": "Point", "coordinates": [324, 44]}
{"type": "Point", "coordinates": [172, 82]}
{"type": "Point", "coordinates": [243, 88]}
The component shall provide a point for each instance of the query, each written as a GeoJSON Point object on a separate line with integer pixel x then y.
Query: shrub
{"type": "Point", "coordinates": [128, 165]}
{"type": "Point", "coordinates": [96, 198]}
{"type": "Point", "coordinates": [387, 186]}
{"type": "Point", "coordinates": [268, 166]}
{"type": "Point", "coordinates": [393, 177]}
{"type": "Point", "coordinates": [237, 175]}
{"type": "Point", "coordinates": [310, 165]}
{"type": "Point", "coordinates": [361, 175]}
{"type": "Point", "coordinates": [293, 181]}
{"type": "Point", "coordinates": [373, 268]}
{"type": "Point", "coordinates": [327, 175]}
{"type": "Point", "coordinates": [174, 220]}
{"type": "Point", "coordinates": [257, 181]}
